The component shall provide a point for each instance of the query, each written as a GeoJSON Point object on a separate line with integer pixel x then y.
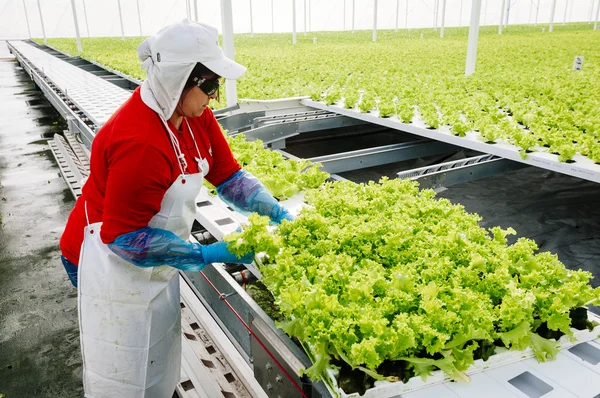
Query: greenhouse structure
{"type": "Point", "coordinates": [403, 194]}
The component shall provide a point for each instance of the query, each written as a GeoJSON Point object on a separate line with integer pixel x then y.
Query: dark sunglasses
{"type": "Point", "coordinates": [209, 86]}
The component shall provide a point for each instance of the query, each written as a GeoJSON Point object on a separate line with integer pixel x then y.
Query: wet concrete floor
{"type": "Point", "coordinates": [39, 336]}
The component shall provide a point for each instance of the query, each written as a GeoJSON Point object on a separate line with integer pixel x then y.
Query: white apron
{"type": "Point", "coordinates": [129, 316]}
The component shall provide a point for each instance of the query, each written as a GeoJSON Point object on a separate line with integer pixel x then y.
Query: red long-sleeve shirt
{"type": "Point", "coordinates": [133, 164]}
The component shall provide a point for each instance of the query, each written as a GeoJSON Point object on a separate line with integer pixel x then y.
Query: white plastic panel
{"type": "Point", "coordinates": [481, 385]}
{"type": "Point", "coordinates": [573, 376]}
{"type": "Point", "coordinates": [503, 374]}
{"type": "Point", "coordinates": [96, 97]}
{"type": "Point", "coordinates": [439, 391]}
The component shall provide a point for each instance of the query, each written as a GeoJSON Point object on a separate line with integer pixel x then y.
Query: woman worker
{"type": "Point", "coordinates": [128, 232]}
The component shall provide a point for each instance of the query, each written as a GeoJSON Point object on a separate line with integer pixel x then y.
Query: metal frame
{"type": "Point", "coordinates": [583, 167]}
{"type": "Point", "coordinates": [460, 171]}
{"type": "Point", "coordinates": [370, 157]}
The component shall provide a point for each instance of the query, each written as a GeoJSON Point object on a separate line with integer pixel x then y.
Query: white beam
{"type": "Point", "coordinates": [473, 37]}
{"type": "Point", "coordinates": [27, 19]}
{"type": "Point", "coordinates": [139, 16]}
{"type": "Point", "coordinates": [42, 21]}
{"type": "Point", "coordinates": [196, 10]}
{"type": "Point", "coordinates": [537, 12]}
{"type": "Point", "coordinates": [309, 14]}
{"type": "Point", "coordinates": [591, 11]}
{"type": "Point", "coordinates": [87, 25]}
{"type": "Point", "coordinates": [436, 8]}
{"type": "Point", "coordinates": [566, 8]}
{"type": "Point", "coordinates": [353, 8]}
{"type": "Point", "coordinates": [443, 18]}
{"type": "Point", "coordinates": [375, 20]}
{"type": "Point", "coordinates": [227, 20]}
{"type": "Point", "coordinates": [251, 24]}
{"type": "Point", "coordinates": [121, 19]}
{"type": "Point", "coordinates": [74, 10]}
{"type": "Point", "coordinates": [552, 10]}
{"type": "Point", "coordinates": [304, 17]}
{"type": "Point", "coordinates": [501, 17]}
{"type": "Point", "coordinates": [530, 11]}
{"type": "Point", "coordinates": [294, 21]}
{"type": "Point", "coordinates": [397, 13]}
{"type": "Point", "coordinates": [460, 14]}
{"type": "Point", "coordinates": [188, 13]}
{"type": "Point", "coordinates": [507, 13]}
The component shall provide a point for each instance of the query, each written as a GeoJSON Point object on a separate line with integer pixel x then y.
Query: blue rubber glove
{"type": "Point", "coordinates": [246, 194]}
{"type": "Point", "coordinates": [218, 253]}
{"type": "Point", "coordinates": [151, 247]}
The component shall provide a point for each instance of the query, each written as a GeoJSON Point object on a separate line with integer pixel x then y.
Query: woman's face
{"type": "Point", "coordinates": [194, 102]}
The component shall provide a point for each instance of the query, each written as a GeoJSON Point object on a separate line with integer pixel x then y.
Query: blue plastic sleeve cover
{"type": "Point", "coordinates": [246, 194]}
{"type": "Point", "coordinates": [150, 247]}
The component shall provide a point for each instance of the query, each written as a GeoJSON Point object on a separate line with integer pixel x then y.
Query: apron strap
{"type": "Point", "coordinates": [87, 218]}
{"type": "Point", "coordinates": [193, 138]}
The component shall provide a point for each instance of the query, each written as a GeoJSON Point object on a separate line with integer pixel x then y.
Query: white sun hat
{"type": "Point", "coordinates": [169, 57]}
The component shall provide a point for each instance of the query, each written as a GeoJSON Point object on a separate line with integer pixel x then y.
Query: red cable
{"type": "Point", "coordinates": [222, 297]}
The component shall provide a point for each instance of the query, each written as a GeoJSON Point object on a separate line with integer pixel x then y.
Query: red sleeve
{"type": "Point", "coordinates": [138, 177]}
{"type": "Point", "coordinates": [224, 164]}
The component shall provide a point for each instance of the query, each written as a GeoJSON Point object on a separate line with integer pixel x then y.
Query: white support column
{"type": "Point", "coordinates": [473, 37]}
{"type": "Point", "coordinates": [121, 19]}
{"type": "Point", "coordinates": [251, 23]}
{"type": "Point", "coordinates": [87, 25]}
{"type": "Point", "coordinates": [443, 18]}
{"type": "Point", "coordinates": [552, 10]}
{"type": "Point", "coordinates": [353, 9]}
{"type": "Point", "coordinates": [597, 14]}
{"type": "Point", "coordinates": [436, 5]}
{"type": "Point", "coordinates": [566, 8]}
{"type": "Point", "coordinates": [196, 10]}
{"type": "Point", "coordinates": [228, 49]}
{"type": "Point", "coordinates": [530, 11]}
{"type": "Point", "coordinates": [591, 11]}
{"type": "Point", "coordinates": [139, 16]}
{"type": "Point", "coordinates": [79, 49]}
{"type": "Point", "coordinates": [304, 17]}
{"type": "Point", "coordinates": [294, 21]}
{"type": "Point", "coordinates": [344, 27]}
{"type": "Point", "coordinates": [537, 12]}
{"type": "Point", "coordinates": [507, 13]}
{"type": "Point", "coordinates": [375, 20]}
{"type": "Point", "coordinates": [406, 16]}
{"type": "Point", "coordinates": [188, 13]}
{"type": "Point", "coordinates": [397, 13]}
{"type": "Point", "coordinates": [27, 19]}
{"type": "Point", "coordinates": [460, 14]}
{"type": "Point", "coordinates": [42, 20]}
{"type": "Point", "coordinates": [501, 17]}
{"type": "Point", "coordinates": [309, 15]}
{"type": "Point", "coordinates": [272, 18]}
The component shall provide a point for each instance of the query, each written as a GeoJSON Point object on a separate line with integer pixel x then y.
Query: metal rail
{"type": "Point", "coordinates": [460, 171]}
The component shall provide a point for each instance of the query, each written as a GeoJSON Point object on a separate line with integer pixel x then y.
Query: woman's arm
{"type": "Point", "coordinates": [150, 247]}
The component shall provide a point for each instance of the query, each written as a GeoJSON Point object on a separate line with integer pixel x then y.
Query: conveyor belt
{"type": "Point", "coordinates": [96, 97]}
